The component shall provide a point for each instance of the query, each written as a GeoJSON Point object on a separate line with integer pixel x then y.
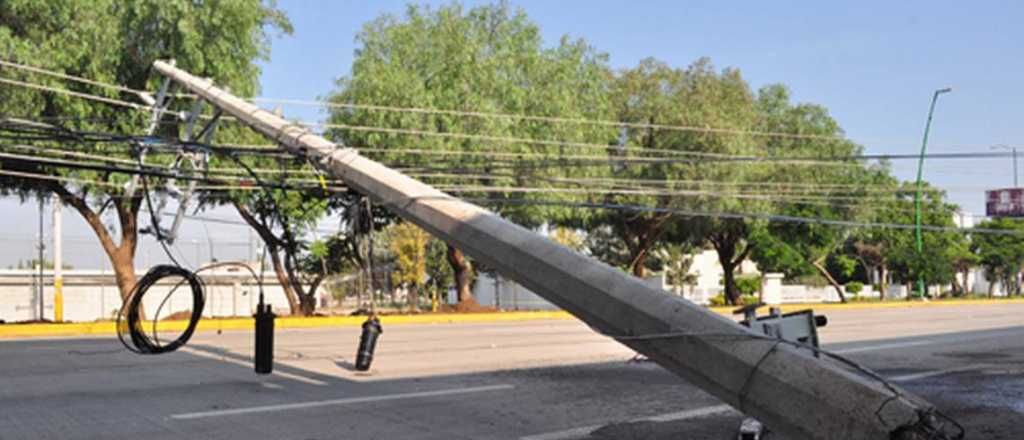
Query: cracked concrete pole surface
{"type": "Point", "coordinates": [785, 387]}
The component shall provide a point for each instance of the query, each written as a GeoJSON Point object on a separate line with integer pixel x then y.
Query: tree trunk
{"type": "Point", "coordinates": [307, 301]}
{"type": "Point", "coordinates": [725, 246]}
{"type": "Point", "coordinates": [883, 282]}
{"type": "Point", "coordinates": [824, 272]}
{"type": "Point", "coordinates": [121, 255]}
{"type": "Point", "coordinates": [461, 269]}
{"type": "Point", "coordinates": [732, 293]}
{"type": "Point", "coordinates": [639, 261]}
{"type": "Point", "coordinates": [272, 244]}
{"type": "Point", "coordinates": [307, 305]}
{"type": "Point", "coordinates": [412, 297]}
{"type": "Point", "coordinates": [124, 272]}
{"type": "Point", "coordinates": [294, 306]}
{"type": "Point", "coordinates": [640, 234]}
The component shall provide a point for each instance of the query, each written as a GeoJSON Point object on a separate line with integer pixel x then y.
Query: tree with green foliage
{"type": "Point", "coordinates": [408, 243]}
{"type": "Point", "coordinates": [116, 42]}
{"type": "Point", "coordinates": [675, 260]}
{"type": "Point", "coordinates": [487, 59]}
{"type": "Point", "coordinates": [284, 219]}
{"type": "Point", "coordinates": [1001, 255]}
{"type": "Point", "coordinates": [440, 277]}
{"type": "Point", "coordinates": [942, 249]}
{"type": "Point", "coordinates": [657, 95]}
{"type": "Point", "coordinates": [829, 189]}
{"type": "Point", "coordinates": [963, 259]}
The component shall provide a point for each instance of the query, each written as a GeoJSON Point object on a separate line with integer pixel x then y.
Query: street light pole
{"type": "Point", "coordinates": [917, 197]}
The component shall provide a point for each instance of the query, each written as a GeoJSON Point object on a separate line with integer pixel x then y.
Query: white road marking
{"type": "Point", "coordinates": [670, 417]}
{"type": "Point", "coordinates": [932, 341]}
{"type": "Point", "coordinates": [925, 374]}
{"type": "Point", "coordinates": [271, 385]}
{"type": "Point", "coordinates": [280, 374]}
{"type": "Point", "coordinates": [884, 346]}
{"type": "Point", "coordinates": [333, 402]}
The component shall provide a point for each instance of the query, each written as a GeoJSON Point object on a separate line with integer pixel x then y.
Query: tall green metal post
{"type": "Point", "coordinates": [917, 197]}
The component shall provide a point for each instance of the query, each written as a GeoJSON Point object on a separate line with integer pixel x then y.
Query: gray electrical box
{"type": "Point", "coordinates": [800, 326]}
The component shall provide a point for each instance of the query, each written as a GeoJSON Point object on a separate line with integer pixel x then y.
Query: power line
{"type": "Point", "coordinates": [734, 215]}
{"type": "Point", "coordinates": [233, 173]}
{"type": "Point", "coordinates": [669, 183]}
{"type": "Point", "coordinates": [640, 208]}
{"type": "Point", "coordinates": [598, 160]}
{"type": "Point", "coordinates": [311, 184]}
{"type": "Point", "coordinates": [420, 110]}
{"type": "Point", "coordinates": [508, 139]}
{"type": "Point", "coordinates": [659, 183]}
{"type": "Point", "coordinates": [86, 96]}
{"type": "Point", "coordinates": [150, 171]}
{"type": "Point", "coordinates": [65, 76]}
{"type": "Point", "coordinates": [636, 189]}
{"type": "Point", "coordinates": [555, 119]}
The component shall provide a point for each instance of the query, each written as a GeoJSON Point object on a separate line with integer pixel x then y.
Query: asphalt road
{"type": "Point", "coordinates": [536, 380]}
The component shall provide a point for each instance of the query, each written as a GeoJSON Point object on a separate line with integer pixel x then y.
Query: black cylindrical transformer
{"type": "Point", "coordinates": [264, 358]}
{"type": "Point", "coordinates": [368, 343]}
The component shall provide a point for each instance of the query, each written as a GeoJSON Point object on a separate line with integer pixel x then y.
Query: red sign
{"type": "Point", "coordinates": [1007, 202]}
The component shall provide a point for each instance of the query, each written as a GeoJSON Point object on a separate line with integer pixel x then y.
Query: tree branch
{"type": "Point", "coordinates": [90, 216]}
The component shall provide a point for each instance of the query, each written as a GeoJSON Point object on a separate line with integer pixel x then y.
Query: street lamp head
{"type": "Point", "coordinates": [945, 90]}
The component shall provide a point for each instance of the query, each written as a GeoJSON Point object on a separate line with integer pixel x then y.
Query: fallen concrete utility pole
{"type": "Point", "coordinates": [783, 386]}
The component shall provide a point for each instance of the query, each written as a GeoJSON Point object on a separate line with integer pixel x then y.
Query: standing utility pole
{"type": "Point", "coordinates": [787, 388]}
{"type": "Point", "coordinates": [42, 285]}
{"type": "Point", "coordinates": [58, 261]}
{"type": "Point", "coordinates": [917, 197]}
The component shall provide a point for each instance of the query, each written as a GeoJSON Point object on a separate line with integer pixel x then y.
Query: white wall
{"type": "Point", "coordinates": [92, 295]}
{"type": "Point", "coordinates": [709, 271]}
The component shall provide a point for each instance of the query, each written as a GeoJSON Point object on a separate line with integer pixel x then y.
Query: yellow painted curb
{"type": "Point", "coordinates": [107, 327]}
{"type": "Point", "coordinates": [897, 304]}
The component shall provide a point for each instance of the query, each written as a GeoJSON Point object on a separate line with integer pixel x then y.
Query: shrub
{"type": "Point", "coordinates": [854, 287]}
{"type": "Point", "coordinates": [747, 300]}
{"type": "Point", "coordinates": [748, 285]}
{"type": "Point", "coordinates": [862, 299]}
{"type": "Point", "coordinates": [719, 300]}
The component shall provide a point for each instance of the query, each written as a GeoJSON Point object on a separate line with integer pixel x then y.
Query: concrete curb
{"type": "Point", "coordinates": [727, 310]}
{"type": "Point", "coordinates": [107, 327]}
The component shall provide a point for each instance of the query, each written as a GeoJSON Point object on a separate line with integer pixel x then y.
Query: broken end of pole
{"type": "Point", "coordinates": [931, 425]}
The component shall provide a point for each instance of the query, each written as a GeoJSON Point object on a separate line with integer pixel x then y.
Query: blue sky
{"type": "Point", "coordinates": [873, 64]}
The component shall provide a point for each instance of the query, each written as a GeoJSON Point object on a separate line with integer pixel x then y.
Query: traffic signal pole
{"type": "Point", "coordinates": [785, 387]}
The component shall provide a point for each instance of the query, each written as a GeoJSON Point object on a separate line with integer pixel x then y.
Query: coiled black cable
{"type": "Point", "coordinates": [130, 321]}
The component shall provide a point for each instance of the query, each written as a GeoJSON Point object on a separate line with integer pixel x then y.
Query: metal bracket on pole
{"type": "Point", "coordinates": [198, 160]}
{"type": "Point", "coordinates": [159, 106]}
{"type": "Point", "coordinates": [786, 387]}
